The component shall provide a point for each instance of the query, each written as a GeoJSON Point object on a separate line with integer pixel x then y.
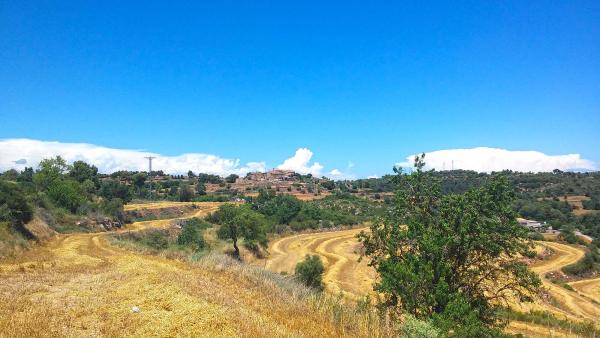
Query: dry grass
{"type": "Point", "coordinates": [345, 275]}
{"type": "Point", "coordinates": [339, 252]}
{"type": "Point", "coordinates": [158, 205]}
{"type": "Point", "coordinates": [79, 285]}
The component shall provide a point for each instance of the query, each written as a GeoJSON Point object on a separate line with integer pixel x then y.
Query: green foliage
{"type": "Point", "coordinates": [110, 189]}
{"type": "Point", "coordinates": [567, 234]}
{"type": "Point", "coordinates": [113, 208]}
{"type": "Point", "coordinates": [139, 180]}
{"type": "Point", "coordinates": [14, 208]}
{"type": "Point", "coordinates": [185, 193]}
{"type": "Point", "coordinates": [586, 329]}
{"type": "Point", "coordinates": [66, 194]}
{"type": "Point", "coordinates": [191, 234]}
{"type": "Point", "coordinates": [450, 257]}
{"type": "Point", "coordinates": [414, 328]}
{"type": "Point", "coordinates": [588, 264]}
{"type": "Point", "coordinates": [201, 189]}
{"type": "Point", "coordinates": [593, 203]}
{"type": "Point", "coordinates": [231, 178]}
{"type": "Point", "coordinates": [81, 171]}
{"type": "Point", "coordinates": [208, 178]}
{"type": "Point", "coordinates": [50, 170]}
{"type": "Point", "coordinates": [310, 271]}
{"type": "Point", "coordinates": [240, 222]}
{"type": "Point", "coordinates": [156, 239]}
{"type": "Point", "coordinates": [281, 208]}
{"type": "Point", "coordinates": [26, 175]}
{"type": "Point", "coordinates": [535, 236]}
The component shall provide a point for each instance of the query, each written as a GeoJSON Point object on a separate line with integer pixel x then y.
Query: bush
{"type": "Point", "coordinates": [156, 240]}
{"type": "Point", "coordinates": [13, 205]}
{"type": "Point", "coordinates": [412, 327]}
{"type": "Point", "coordinates": [535, 236]}
{"type": "Point", "coordinates": [310, 271]}
{"type": "Point", "coordinates": [191, 235]}
{"type": "Point", "coordinates": [581, 267]}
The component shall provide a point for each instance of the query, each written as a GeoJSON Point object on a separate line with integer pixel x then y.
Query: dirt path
{"type": "Point", "coordinates": [80, 286]}
{"type": "Point", "coordinates": [589, 288]}
{"type": "Point", "coordinates": [566, 303]}
{"type": "Point", "coordinates": [345, 275]}
{"type": "Point", "coordinates": [338, 250]}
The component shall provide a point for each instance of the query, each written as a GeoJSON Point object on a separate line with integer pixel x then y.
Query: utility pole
{"type": "Point", "coordinates": [150, 158]}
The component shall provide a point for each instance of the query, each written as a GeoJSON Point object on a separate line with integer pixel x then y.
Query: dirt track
{"type": "Point", "coordinates": [344, 274]}
{"type": "Point", "coordinates": [338, 249]}
{"type": "Point", "coordinates": [80, 286]}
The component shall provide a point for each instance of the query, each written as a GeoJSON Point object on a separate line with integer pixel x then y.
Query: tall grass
{"type": "Point", "coordinates": [586, 329]}
{"type": "Point", "coordinates": [351, 319]}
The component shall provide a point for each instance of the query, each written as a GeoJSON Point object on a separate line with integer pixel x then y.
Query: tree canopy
{"type": "Point", "coordinates": [241, 222]}
{"type": "Point", "coordinates": [453, 258]}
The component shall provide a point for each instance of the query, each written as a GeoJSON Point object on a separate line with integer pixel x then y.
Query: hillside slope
{"type": "Point", "coordinates": [80, 285]}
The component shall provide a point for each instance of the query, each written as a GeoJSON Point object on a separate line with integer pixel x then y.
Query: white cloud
{"type": "Point", "coordinates": [18, 153]}
{"type": "Point", "coordinates": [483, 159]}
{"type": "Point", "coordinates": [336, 174]}
{"type": "Point", "coordinates": [300, 163]}
{"type": "Point", "coordinates": [373, 176]}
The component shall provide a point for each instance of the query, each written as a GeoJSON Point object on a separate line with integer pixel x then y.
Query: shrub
{"type": "Point", "coordinates": [310, 271]}
{"type": "Point", "coordinates": [13, 205]}
{"type": "Point", "coordinates": [191, 235]}
{"type": "Point", "coordinates": [412, 327]}
{"type": "Point", "coordinates": [535, 236]}
{"type": "Point", "coordinates": [156, 240]}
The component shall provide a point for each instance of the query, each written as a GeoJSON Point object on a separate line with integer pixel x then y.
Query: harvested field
{"type": "Point", "coordinates": [159, 205]}
{"type": "Point", "coordinates": [339, 252]}
{"type": "Point", "coordinates": [589, 288]}
{"type": "Point", "coordinates": [345, 275]}
{"type": "Point", "coordinates": [79, 285]}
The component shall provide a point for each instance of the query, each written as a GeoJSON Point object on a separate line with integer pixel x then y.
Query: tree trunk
{"type": "Point", "coordinates": [236, 254]}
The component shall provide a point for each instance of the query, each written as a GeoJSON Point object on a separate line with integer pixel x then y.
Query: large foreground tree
{"type": "Point", "coordinates": [453, 259]}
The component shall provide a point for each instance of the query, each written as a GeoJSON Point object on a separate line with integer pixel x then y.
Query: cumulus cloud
{"type": "Point", "coordinates": [300, 163]}
{"type": "Point", "coordinates": [337, 174]}
{"type": "Point", "coordinates": [18, 153]}
{"type": "Point", "coordinates": [483, 159]}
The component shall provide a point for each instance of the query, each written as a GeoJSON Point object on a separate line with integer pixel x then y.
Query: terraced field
{"type": "Point", "coordinates": [343, 274]}
{"type": "Point", "coordinates": [80, 285]}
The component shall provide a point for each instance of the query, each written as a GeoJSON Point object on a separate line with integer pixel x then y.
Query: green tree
{"type": "Point", "coordinates": [13, 204]}
{"type": "Point", "coordinates": [231, 178]}
{"type": "Point", "coordinates": [310, 271]}
{"type": "Point", "coordinates": [10, 175]}
{"type": "Point", "coordinates": [241, 222]}
{"type": "Point", "coordinates": [201, 189]}
{"type": "Point", "coordinates": [113, 208]}
{"type": "Point", "coordinates": [26, 175]}
{"type": "Point", "coordinates": [185, 193]}
{"type": "Point", "coordinates": [82, 171]}
{"type": "Point", "coordinates": [113, 189]}
{"type": "Point", "coordinates": [66, 194]}
{"type": "Point", "coordinates": [139, 180]}
{"type": "Point", "coordinates": [50, 170]}
{"type": "Point", "coordinates": [191, 234]}
{"type": "Point", "coordinates": [452, 258]}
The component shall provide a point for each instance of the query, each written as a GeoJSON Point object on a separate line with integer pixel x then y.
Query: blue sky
{"type": "Point", "coordinates": [362, 85]}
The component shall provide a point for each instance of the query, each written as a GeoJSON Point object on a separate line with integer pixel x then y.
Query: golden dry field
{"type": "Point", "coordinates": [79, 285]}
{"type": "Point", "coordinates": [158, 205]}
{"type": "Point", "coordinates": [343, 274]}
